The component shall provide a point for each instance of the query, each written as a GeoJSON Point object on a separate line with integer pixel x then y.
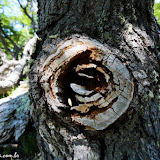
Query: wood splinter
{"type": "Point", "coordinates": [80, 89]}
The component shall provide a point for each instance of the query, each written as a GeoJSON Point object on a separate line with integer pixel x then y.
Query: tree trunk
{"type": "Point", "coordinates": [94, 85]}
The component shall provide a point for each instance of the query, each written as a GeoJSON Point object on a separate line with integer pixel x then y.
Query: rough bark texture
{"type": "Point", "coordinates": [130, 31]}
{"type": "Point", "coordinates": [14, 117]}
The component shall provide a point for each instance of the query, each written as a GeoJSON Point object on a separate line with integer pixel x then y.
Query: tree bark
{"type": "Point", "coordinates": [94, 84]}
{"type": "Point", "coordinates": [14, 117]}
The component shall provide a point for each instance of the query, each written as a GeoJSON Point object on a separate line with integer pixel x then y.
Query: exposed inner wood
{"type": "Point", "coordinates": [80, 89]}
{"type": "Point", "coordinates": [94, 85]}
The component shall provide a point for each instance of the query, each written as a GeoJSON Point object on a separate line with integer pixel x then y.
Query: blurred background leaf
{"type": "Point", "coordinates": [18, 23]}
{"type": "Point", "coordinates": [157, 11]}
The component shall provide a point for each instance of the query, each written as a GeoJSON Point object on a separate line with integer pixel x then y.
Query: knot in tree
{"type": "Point", "coordinates": [84, 78]}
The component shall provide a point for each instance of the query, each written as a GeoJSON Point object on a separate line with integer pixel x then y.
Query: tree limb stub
{"type": "Point", "coordinates": [97, 84]}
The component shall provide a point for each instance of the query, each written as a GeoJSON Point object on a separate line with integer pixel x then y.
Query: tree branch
{"type": "Point", "coordinates": [7, 64]}
{"type": "Point", "coordinates": [14, 77]}
{"type": "Point", "coordinates": [25, 12]}
{"type": "Point", "coordinates": [4, 43]}
{"type": "Point", "coordinates": [17, 49]}
{"type": "Point", "coordinates": [14, 117]}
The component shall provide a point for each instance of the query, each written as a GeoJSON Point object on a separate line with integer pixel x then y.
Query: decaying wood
{"type": "Point", "coordinates": [15, 67]}
{"type": "Point", "coordinates": [101, 69]}
{"type": "Point", "coordinates": [84, 66]}
{"type": "Point", "coordinates": [80, 89]}
{"type": "Point", "coordinates": [14, 117]}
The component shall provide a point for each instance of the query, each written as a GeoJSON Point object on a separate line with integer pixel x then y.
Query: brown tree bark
{"type": "Point", "coordinates": [94, 84]}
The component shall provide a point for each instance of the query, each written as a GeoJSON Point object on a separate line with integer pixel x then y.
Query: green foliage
{"type": "Point", "coordinates": [16, 25]}
{"type": "Point", "coordinates": [29, 144]}
{"type": "Point", "coordinates": [7, 150]}
{"type": "Point", "coordinates": [157, 11]}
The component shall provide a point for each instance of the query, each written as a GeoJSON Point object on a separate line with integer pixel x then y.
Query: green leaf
{"type": "Point", "coordinates": [157, 11]}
